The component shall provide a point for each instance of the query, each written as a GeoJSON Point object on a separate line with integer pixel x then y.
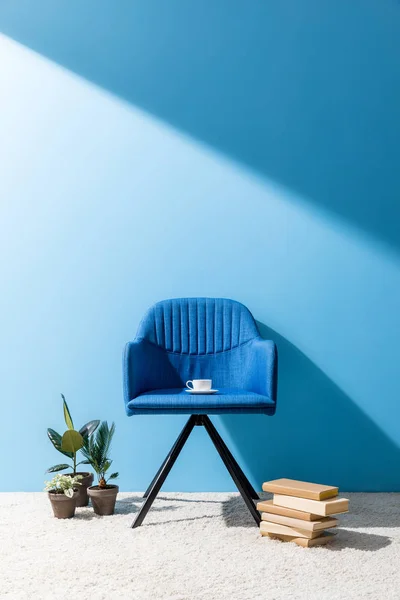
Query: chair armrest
{"type": "Point", "coordinates": [262, 376]}
{"type": "Point", "coordinates": [133, 352]}
{"type": "Point", "coordinates": [146, 367]}
{"type": "Point", "coordinates": [139, 362]}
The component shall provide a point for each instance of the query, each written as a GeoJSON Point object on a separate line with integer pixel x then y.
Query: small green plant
{"type": "Point", "coordinates": [96, 449]}
{"type": "Point", "coordinates": [63, 484]}
{"type": "Point", "coordinates": [71, 441]}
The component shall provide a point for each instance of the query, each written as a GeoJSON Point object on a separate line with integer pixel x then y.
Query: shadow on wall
{"type": "Point", "coordinates": [317, 433]}
{"type": "Point", "coordinates": [306, 97]}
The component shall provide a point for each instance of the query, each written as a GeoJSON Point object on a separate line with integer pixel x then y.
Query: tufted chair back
{"type": "Point", "coordinates": [198, 326]}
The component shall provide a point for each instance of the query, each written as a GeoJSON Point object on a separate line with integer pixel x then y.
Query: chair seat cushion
{"type": "Point", "coordinates": [178, 401]}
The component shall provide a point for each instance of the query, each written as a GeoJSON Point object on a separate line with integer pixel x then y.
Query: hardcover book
{"type": "Point", "coordinates": [267, 527]}
{"type": "Point", "coordinates": [324, 523]}
{"type": "Point", "coordinates": [300, 489]}
{"type": "Point", "coordinates": [270, 507]}
{"type": "Point", "coordinates": [325, 538]}
{"type": "Point", "coordinates": [324, 508]}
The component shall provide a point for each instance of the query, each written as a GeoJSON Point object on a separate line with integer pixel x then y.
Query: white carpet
{"type": "Point", "coordinates": [192, 546]}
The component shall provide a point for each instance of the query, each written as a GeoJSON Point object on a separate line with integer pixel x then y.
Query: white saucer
{"type": "Point", "coordinates": [206, 392]}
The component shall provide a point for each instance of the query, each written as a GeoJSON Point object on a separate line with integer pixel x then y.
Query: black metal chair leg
{"type": "Point", "coordinates": [164, 470]}
{"type": "Point", "coordinates": [242, 483]}
{"type": "Point", "coordinates": [245, 482]}
{"type": "Point", "coordinates": [147, 492]}
{"type": "Point", "coordinates": [238, 482]}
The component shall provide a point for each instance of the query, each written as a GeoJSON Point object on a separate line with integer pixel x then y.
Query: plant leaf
{"type": "Point", "coordinates": [58, 468]}
{"type": "Point", "coordinates": [72, 441]}
{"type": "Point", "coordinates": [67, 414]}
{"type": "Point", "coordinates": [113, 476]}
{"type": "Point", "coordinates": [107, 465]}
{"type": "Point", "coordinates": [55, 439]}
{"type": "Point", "coordinates": [89, 428]}
{"type": "Point", "coordinates": [96, 448]}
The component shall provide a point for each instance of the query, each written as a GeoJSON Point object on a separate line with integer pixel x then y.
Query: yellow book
{"type": "Point", "coordinates": [324, 523]}
{"type": "Point", "coordinates": [300, 489]}
{"type": "Point", "coordinates": [325, 538]}
{"type": "Point", "coordinates": [332, 506]}
{"type": "Point", "coordinates": [267, 527]}
{"type": "Point", "coordinates": [269, 506]}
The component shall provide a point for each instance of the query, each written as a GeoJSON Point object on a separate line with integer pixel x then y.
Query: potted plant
{"type": "Point", "coordinates": [63, 492]}
{"type": "Point", "coordinates": [96, 449]}
{"type": "Point", "coordinates": [69, 444]}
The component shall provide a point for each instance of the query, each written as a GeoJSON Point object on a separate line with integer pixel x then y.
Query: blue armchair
{"type": "Point", "coordinates": [199, 338]}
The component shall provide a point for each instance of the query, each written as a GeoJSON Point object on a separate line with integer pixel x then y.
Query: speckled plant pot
{"type": "Point", "coordinates": [63, 507]}
{"type": "Point", "coordinates": [103, 501]}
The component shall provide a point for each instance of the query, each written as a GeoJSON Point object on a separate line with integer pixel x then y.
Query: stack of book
{"type": "Point", "coordinates": [300, 512]}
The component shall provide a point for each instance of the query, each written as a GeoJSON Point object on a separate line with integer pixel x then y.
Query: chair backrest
{"type": "Point", "coordinates": [198, 326]}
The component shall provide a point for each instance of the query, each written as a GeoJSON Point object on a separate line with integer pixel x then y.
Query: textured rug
{"type": "Point", "coordinates": [192, 546]}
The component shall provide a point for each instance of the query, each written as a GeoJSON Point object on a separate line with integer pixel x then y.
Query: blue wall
{"type": "Point", "coordinates": [154, 149]}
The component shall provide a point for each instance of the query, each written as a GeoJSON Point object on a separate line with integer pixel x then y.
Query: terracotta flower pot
{"type": "Point", "coordinates": [103, 500]}
{"type": "Point", "coordinates": [83, 498]}
{"type": "Point", "coordinates": [63, 507]}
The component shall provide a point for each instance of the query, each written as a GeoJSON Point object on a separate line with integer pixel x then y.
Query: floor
{"type": "Point", "coordinates": [192, 547]}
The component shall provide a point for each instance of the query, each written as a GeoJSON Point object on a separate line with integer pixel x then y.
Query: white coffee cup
{"type": "Point", "coordinates": [199, 385]}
